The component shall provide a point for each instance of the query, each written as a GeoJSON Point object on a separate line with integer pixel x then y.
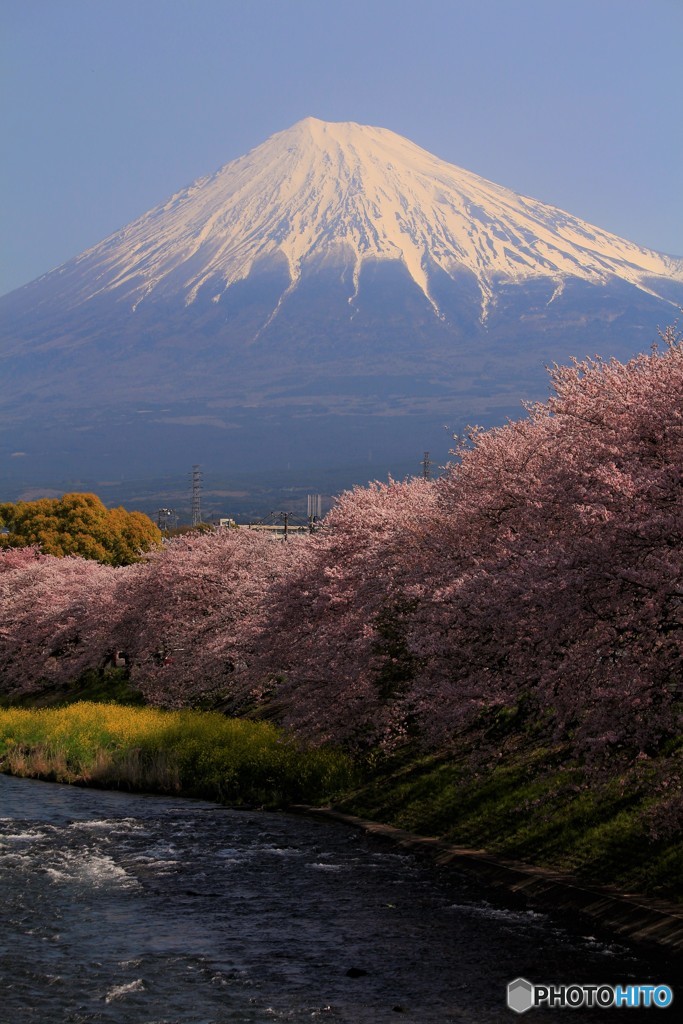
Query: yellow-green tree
{"type": "Point", "coordinates": [79, 524]}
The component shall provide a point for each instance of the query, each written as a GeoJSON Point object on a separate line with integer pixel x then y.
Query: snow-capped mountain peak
{"type": "Point", "coordinates": [350, 192]}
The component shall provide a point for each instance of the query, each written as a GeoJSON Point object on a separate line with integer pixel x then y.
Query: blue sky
{"type": "Point", "coordinates": [109, 106]}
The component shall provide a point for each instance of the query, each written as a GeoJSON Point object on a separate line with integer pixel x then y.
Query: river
{"type": "Point", "coordinates": [136, 909]}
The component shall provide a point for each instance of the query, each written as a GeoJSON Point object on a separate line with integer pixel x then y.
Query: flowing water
{"type": "Point", "coordinates": [149, 910]}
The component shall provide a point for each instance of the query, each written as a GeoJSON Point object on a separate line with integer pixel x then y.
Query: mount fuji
{"type": "Point", "coordinates": [335, 292]}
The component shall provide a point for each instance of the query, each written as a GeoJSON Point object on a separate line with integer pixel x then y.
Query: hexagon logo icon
{"type": "Point", "coordinates": [520, 995]}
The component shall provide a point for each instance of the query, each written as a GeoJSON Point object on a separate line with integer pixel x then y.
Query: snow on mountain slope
{"type": "Point", "coordinates": [349, 192]}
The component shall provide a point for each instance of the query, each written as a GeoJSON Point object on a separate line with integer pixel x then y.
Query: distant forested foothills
{"type": "Point", "coordinates": [525, 608]}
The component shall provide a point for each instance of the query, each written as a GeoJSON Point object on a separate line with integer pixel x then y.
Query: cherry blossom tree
{"type": "Point", "coordinates": [190, 613]}
{"type": "Point", "coordinates": [55, 618]}
{"type": "Point", "coordinates": [338, 618]}
{"type": "Point", "coordinates": [561, 570]}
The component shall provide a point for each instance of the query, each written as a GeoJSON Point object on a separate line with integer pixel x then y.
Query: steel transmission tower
{"type": "Point", "coordinates": [196, 495]}
{"type": "Point", "coordinates": [426, 467]}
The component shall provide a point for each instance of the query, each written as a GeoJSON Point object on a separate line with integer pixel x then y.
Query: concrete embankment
{"type": "Point", "coordinates": [638, 918]}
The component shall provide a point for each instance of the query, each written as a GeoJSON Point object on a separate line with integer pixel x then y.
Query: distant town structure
{"type": "Point", "coordinates": [167, 519]}
{"type": "Point", "coordinates": [279, 525]}
{"type": "Point", "coordinates": [315, 509]}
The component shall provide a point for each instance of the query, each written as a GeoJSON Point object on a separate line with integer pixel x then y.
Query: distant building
{"type": "Point", "coordinates": [277, 531]}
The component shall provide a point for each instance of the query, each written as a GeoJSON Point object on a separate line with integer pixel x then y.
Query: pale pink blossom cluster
{"type": "Point", "coordinates": [541, 576]}
{"type": "Point", "coordinates": [55, 616]}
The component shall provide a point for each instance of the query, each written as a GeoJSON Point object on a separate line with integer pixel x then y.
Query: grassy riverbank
{"type": "Point", "coordinates": [531, 803]}
{"type": "Point", "coordinates": [194, 753]}
{"type": "Point", "coordinates": [537, 805]}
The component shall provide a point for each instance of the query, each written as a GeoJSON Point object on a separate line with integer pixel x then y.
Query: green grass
{"type": "Point", "coordinates": [535, 804]}
{"type": "Point", "coordinates": [193, 753]}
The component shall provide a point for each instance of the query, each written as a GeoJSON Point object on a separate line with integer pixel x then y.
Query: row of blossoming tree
{"type": "Point", "coordinates": [543, 571]}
